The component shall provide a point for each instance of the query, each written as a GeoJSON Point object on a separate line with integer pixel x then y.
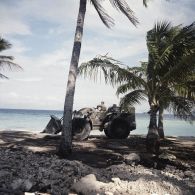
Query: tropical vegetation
{"type": "Point", "coordinates": [65, 147]}
{"type": "Point", "coordinates": [6, 61]}
{"type": "Point", "coordinates": [166, 80]}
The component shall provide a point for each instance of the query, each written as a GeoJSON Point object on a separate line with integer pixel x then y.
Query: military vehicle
{"type": "Point", "coordinates": [115, 123]}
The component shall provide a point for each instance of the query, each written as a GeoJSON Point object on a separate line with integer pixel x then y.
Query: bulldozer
{"type": "Point", "coordinates": [115, 122]}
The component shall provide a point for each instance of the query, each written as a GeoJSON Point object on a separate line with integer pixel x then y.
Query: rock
{"type": "Point", "coordinates": [108, 193]}
{"type": "Point", "coordinates": [27, 185]}
{"type": "Point", "coordinates": [189, 174]}
{"type": "Point", "coordinates": [21, 184]}
{"type": "Point", "coordinates": [116, 180]}
{"type": "Point", "coordinates": [185, 165]}
{"type": "Point", "coordinates": [167, 156]}
{"type": "Point", "coordinates": [4, 174]}
{"type": "Point", "coordinates": [131, 158]}
{"type": "Point", "coordinates": [16, 184]}
{"type": "Point", "coordinates": [88, 185]}
{"type": "Point", "coordinates": [22, 171]}
{"type": "Point", "coordinates": [28, 193]}
{"type": "Point", "coordinates": [147, 159]}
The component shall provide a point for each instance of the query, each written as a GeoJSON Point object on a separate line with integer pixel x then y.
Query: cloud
{"type": "Point", "coordinates": [29, 79]}
{"type": "Point", "coordinates": [12, 23]}
{"type": "Point", "coordinates": [42, 33]}
{"type": "Point", "coordinates": [14, 94]}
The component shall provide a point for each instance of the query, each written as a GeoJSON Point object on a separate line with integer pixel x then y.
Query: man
{"type": "Point", "coordinates": [101, 107]}
{"type": "Point", "coordinates": [113, 108]}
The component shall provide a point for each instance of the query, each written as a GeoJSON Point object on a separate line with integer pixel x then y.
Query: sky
{"type": "Point", "coordinates": [42, 32]}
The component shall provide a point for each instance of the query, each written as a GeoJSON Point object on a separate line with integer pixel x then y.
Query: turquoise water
{"type": "Point", "coordinates": [36, 120]}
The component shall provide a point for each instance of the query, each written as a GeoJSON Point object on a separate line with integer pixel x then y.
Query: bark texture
{"type": "Point", "coordinates": [160, 124]}
{"type": "Point", "coordinates": [65, 147]}
{"type": "Point", "coordinates": [152, 140]}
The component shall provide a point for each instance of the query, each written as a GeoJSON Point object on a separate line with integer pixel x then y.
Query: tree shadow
{"type": "Point", "coordinates": [97, 151]}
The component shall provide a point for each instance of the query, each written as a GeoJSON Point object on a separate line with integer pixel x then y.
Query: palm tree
{"type": "Point", "coordinates": [171, 55]}
{"type": "Point", "coordinates": [65, 147]}
{"type": "Point", "coordinates": [6, 61]}
{"type": "Point", "coordinates": [171, 48]}
{"type": "Point", "coordinates": [186, 92]}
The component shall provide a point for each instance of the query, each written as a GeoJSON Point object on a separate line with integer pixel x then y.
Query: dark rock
{"type": "Point", "coordinates": [4, 174]}
{"type": "Point", "coordinates": [21, 184]}
{"type": "Point", "coordinates": [189, 174]}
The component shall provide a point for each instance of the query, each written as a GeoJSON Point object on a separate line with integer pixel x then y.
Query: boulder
{"type": "Point", "coordinates": [132, 158]}
{"type": "Point", "coordinates": [21, 184]}
{"type": "Point", "coordinates": [166, 156]}
{"type": "Point", "coordinates": [88, 185]}
{"type": "Point", "coordinates": [16, 184]}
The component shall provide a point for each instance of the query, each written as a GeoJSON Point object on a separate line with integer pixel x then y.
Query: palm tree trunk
{"type": "Point", "coordinates": [160, 124]}
{"type": "Point", "coordinates": [65, 147]}
{"type": "Point", "coordinates": [152, 140]}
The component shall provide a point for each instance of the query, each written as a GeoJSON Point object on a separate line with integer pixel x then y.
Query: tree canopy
{"type": "Point", "coordinates": [166, 80]}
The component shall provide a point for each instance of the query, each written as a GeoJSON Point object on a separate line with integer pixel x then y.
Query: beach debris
{"type": "Point", "coordinates": [132, 158]}
{"type": "Point", "coordinates": [167, 156]}
{"type": "Point", "coordinates": [88, 185]}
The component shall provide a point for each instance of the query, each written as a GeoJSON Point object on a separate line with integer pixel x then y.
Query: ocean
{"type": "Point", "coordinates": [36, 120]}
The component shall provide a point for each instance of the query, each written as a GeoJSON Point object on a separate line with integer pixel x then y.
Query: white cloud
{"type": "Point", "coordinates": [42, 83]}
{"type": "Point", "coordinates": [29, 79]}
{"type": "Point", "coordinates": [12, 23]}
{"type": "Point", "coordinates": [14, 94]}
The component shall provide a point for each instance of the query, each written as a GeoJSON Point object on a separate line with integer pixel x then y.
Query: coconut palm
{"type": "Point", "coordinates": [6, 61]}
{"type": "Point", "coordinates": [171, 59]}
{"type": "Point", "coordinates": [121, 5]}
{"type": "Point", "coordinates": [171, 48]}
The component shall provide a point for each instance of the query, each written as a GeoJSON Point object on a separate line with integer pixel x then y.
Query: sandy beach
{"type": "Point", "coordinates": [97, 166]}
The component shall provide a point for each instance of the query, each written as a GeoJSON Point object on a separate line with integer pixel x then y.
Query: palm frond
{"type": "Point", "coordinates": [6, 61]}
{"type": "Point", "coordinates": [123, 7]}
{"type": "Point", "coordinates": [4, 44]}
{"type": "Point", "coordinates": [6, 57]}
{"type": "Point", "coordinates": [145, 3]}
{"type": "Point", "coordinates": [3, 76]}
{"type": "Point", "coordinates": [161, 28]}
{"type": "Point", "coordinates": [186, 88]}
{"type": "Point", "coordinates": [106, 19]}
{"type": "Point", "coordinates": [139, 70]}
{"type": "Point", "coordinates": [132, 98]}
{"type": "Point", "coordinates": [124, 88]}
{"type": "Point", "coordinates": [160, 43]}
{"type": "Point", "coordinates": [180, 70]}
{"type": "Point", "coordinates": [181, 107]}
{"type": "Point", "coordinates": [9, 64]}
{"type": "Point", "coordinates": [113, 71]}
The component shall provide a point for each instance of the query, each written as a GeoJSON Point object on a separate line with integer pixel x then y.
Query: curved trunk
{"type": "Point", "coordinates": [65, 147]}
{"type": "Point", "coordinates": [152, 140]}
{"type": "Point", "coordinates": [160, 124]}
